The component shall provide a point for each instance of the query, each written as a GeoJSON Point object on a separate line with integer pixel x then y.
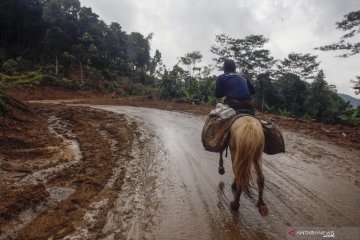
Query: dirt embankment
{"type": "Point", "coordinates": [27, 93]}
{"type": "Point", "coordinates": [54, 162]}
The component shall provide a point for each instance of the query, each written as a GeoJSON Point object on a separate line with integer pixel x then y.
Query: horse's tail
{"type": "Point", "coordinates": [247, 143]}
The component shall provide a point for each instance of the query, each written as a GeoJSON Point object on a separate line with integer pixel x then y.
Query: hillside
{"type": "Point", "coordinates": [353, 101]}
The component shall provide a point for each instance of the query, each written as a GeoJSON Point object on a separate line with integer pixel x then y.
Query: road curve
{"type": "Point", "coordinates": [314, 184]}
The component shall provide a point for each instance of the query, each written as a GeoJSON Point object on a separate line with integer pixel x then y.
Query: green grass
{"type": "Point", "coordinates": [23, 79]}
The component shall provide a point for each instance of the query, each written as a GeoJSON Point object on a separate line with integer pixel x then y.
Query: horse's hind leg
{"type": "Point", "coordinates": [261, 184]}
{"type": "Point", "coordinates": [237, 193]}
{"type": "Point", "coordinates": [221, 164]}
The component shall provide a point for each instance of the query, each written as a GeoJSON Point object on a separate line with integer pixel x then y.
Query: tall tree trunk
{"type": "Point", "coordinates": [18, 35]}
{"type": "Point", "coordinates": [56, 64]}
{"type": "Point", "coordinates": [81, 71]}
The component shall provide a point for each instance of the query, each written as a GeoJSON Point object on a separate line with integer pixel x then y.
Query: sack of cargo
{"type": "Point", "coordinates": [274, 140]}
{"type": "Point", "coordinates": [216, 132]}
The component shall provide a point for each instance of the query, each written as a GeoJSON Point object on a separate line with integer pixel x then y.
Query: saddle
{"type": "Point", "coordinates": [215, 134]}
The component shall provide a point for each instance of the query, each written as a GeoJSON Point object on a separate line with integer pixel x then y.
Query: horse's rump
{"type": "Point", "coordinates": [246, 145]}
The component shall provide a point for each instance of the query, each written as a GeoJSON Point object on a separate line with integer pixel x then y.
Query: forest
{"type": "Point", "coordinates": [61, 43]}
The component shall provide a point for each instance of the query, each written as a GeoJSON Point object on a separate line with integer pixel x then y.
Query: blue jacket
{"type": "Point", "coordinates": [232, 85]}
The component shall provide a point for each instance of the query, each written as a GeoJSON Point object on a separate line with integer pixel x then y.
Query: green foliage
{"type": "Point", "coordinates": [356, 83]}
{"type": "Point", "coordinates": [190, 60]}
{"type": "Point", "coordinates": [140, 89]}
{"type": "Point", "coordinates": [50, 80]}
{"type": "Point", "coordinates": [4, 106]}
{"type": "Point", "coordinates": [61, 43]}
{"type": "Point", "coordinates": [169, 85]}
{"type": "Point", "coordinates": [303, 65]}
{"type": "Point", "coordinates": [211, 101]}
{"type": "Point", "coordinates": [248, 53]}
{"type": "Point", "coordinates": [351, 24]}
{"type": "Point", "coordinates": [75, 84]}
{"type": "Point", "coordinates": [284, 112]}
{"type": "Point", "coordinates": [9, 66]}
{"type": "Point", "coordinates": [269, 109]}
{"type": "Point", "coordinates": [25, 79]}
{"type": "Point", "coordinates": [111, 86]}
{"type": "Point", "coordinates": [352, 118]}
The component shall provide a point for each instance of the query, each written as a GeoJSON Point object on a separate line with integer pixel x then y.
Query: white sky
{"type": "Point", "coordinates": [182, 26]}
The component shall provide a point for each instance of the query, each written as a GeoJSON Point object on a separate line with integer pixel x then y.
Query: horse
{"type": "Point", "coordinates": [246, 147]}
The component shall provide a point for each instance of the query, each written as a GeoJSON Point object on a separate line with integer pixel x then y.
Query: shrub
{"type": "Point", "coordinates": [139, 89]}
{"type": "Point", "coordinates": [4, 106]}
{"type": "Point", "coordinates": [9, 66]}
{"type": "Point", "coordinates": [49, 80]}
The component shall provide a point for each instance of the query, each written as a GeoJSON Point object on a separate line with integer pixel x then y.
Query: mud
{"type": "Point", "coordinates": [313, 184]}
{"type": "Point", "coordinates": [61, 185]}
{"type": "Point", "coordinates": [121, 172]}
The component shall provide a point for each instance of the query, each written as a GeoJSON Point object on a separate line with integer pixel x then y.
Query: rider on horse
{"type": "Point", "coordinates": [237, 89]}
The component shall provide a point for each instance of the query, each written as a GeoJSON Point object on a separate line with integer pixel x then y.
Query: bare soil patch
{"type": "Point", "coordinates": [42, 185]}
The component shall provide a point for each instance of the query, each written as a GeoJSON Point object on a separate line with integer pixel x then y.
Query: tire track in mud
{"type": "Point", "coordinates": [192, 206]}
{"type": "Point", "coordinates": [340, 218]}
{"type": "Point", "coordinates": [131, 216]}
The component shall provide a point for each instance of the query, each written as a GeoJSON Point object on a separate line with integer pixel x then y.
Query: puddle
{"type": "Point", "coordinates": [62, 130]}
{"type": "Point", "coordinates": [58, 194]}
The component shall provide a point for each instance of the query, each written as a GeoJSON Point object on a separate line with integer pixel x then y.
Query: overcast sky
{"type": "Point", "coordinates": [181, 26]}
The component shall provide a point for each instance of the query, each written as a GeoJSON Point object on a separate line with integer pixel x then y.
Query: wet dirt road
{"type": "Point", "coordinates": [180, 194]}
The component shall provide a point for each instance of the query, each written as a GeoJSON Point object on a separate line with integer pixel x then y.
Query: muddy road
{"type": "Point", "coordinates": [120, 172]}
{"type": "Point", "coordinates": [313, 184]}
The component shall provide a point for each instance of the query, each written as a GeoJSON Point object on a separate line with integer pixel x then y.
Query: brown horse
{"type": "Point", "coordinates": [246, 147]}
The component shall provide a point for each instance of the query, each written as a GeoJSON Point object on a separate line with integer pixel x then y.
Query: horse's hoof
{"type": "Point", "coordinates": [234, 205]}
{"type": "Point", "coordinates": [264, 211]}
{"type": "Point", "coordinates": [221, 170]}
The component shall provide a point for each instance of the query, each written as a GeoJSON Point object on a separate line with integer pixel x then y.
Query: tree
{"type": "Point", "coordinates": [138, 50]}
{"type": "Point", "coordinates": [293, 92]}
{"type": "Point", "coordinates": [190, 60]}
{"type": "Point", "coordinates": [356, 84]}
{"type": "Point", "coordinates": [21, 28]}
{"type": "Point", "coordinates": [155, 66]}
{"type": "Point", "coordinates": [265, 92]}
{"type": "Point", "coordinates": [61, 12]}
{"type": "Point", "coordinates": [323, 102]}
{"type": "Point", "coordinates": [248, 53]}
{"type": "Point", "coordinates": [303, 65]}
{"type": "Point", "coordinates": [84, 50]}
{"type": "Point", "coordinates": [56, 41]}
{"type": "Point", "coordinates": [170, 84]}
{"type": "Point", "coordinates": [351, 24]}
{"type": "Point", "coordinates": [115, 49]}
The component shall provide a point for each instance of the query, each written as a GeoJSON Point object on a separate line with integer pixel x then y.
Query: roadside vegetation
{"type": "Point", "coordinates": [61, 43]}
